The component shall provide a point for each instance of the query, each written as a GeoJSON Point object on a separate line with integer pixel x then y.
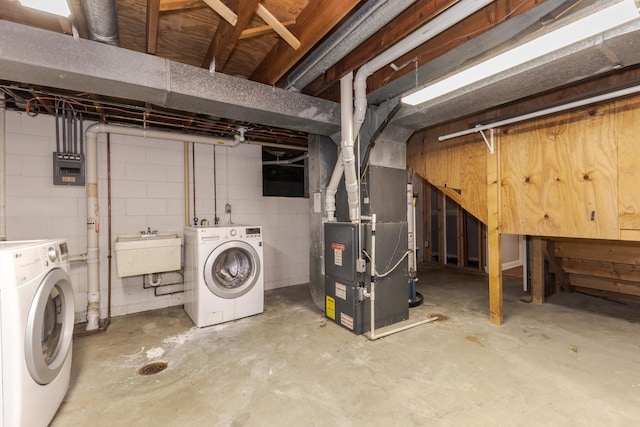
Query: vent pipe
{"type": "Point", "coordinates": [102, 20]}
{"type": "Point", "coordinates": [352, 118]}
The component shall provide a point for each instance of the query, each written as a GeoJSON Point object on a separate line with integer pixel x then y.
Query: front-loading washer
{"type": "Point", "coordinates": [36, 330]}
{"type": "Point", "coordinates": [223, 273]}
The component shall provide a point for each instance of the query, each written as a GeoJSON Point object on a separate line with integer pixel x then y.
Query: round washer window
{"type": "Point", "coordinates": [50, 327]}
{"type": "Point", "coordinates": [232, 269]}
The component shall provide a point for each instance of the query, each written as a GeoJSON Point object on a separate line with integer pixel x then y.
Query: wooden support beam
{"type": "Point", "coordinates": [538, 245]}
{"type": "Point", "coordinates": [442, 223]}
{"type": "Point", "coordinates": [277, 26]}
{"type": "Point", "coordinates": [312, 24]}
{"type": "Point", "coordinates": [482, 246]}
{"type": "Point", "coordinates": [65, 25]}
{"type": "Point", "coordinates": [227, 35]}
{"type": "Point", "coordinates": [461, 236]}
{"type": "Point", "coordinates": [170, 5]}
{"type": "Point", "coordinates": [493, 235]}
{"type": "Point", "coordinates": [427, 192]}
{"type": "Point", "coordinates": [621, 286]}
{"type": "Point", "coordinates": [261, 30]}
{"type": "Point", "coordinates": [153, 18]}
{"type": "Point", "coordinates": [222, 10]}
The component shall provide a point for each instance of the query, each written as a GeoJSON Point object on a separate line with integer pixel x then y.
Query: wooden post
{"type": "Point", "coordinates": [462, 237]}
{"type": "Point", "coordinates": [442, 213]}
{"type": "Point", "coordinates": [493, 235]}
{"type": "Point", "coordinates": [426, 200]}
{"type": "Point", "coordinates": [537, 269]}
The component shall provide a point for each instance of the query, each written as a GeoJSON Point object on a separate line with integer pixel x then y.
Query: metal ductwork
{"type": "Point", "coordinates": [102, 20]}
{"type": "Point", "coordinates": [368, 20]}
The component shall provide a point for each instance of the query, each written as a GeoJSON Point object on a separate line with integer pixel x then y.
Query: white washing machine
{"type": "Point", "coordinates": [36, 330]}
{"type": "Point", "coordinates": [224, 275]}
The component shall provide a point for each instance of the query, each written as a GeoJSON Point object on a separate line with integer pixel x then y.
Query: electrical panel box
{"type": "Point", "coordinates": [68, 169]}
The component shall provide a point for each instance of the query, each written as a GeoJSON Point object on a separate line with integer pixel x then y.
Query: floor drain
{"type": "Point", "coordinates": [153, 368]}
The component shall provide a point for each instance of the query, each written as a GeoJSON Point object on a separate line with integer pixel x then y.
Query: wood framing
{"type": "Point", "coordinates": [493, 235]}
{"type": "Point", "coordinates": [538, 245]}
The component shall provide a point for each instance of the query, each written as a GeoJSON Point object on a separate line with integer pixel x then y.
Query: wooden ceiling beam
{"type": "Point", "coordinates": [171, 5]}
{"type": "Point", "coordinates": [277, 26]}
{"type": "Point", "coordinates": [227, 35]}
{"type": "Point", "coordinates": [261, 30]}
{"type": "Point", "coordinates": [312, 24]}
{"type": "Point", "coordinates": [153, 19]}
{"type": "Point", "coordinates": [222, 10]}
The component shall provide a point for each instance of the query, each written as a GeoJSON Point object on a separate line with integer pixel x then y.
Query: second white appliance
{"type": "Point", "coordinates": [224, 275]}
{"type": "Point", "coordinates": [36, 330]}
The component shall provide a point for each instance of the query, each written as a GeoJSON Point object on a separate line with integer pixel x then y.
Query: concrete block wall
{"type": "Point", "coordinates": [147, 187]}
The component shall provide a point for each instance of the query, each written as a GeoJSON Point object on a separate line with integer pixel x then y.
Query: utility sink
{"type": "Point", "coordinates": [138, 254]}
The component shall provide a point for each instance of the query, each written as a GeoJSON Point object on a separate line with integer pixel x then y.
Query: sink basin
{"type": "Point", "coordinates": [138, 254]}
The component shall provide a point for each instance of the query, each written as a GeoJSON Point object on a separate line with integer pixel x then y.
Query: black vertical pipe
{"type": "Point", "coordinates": [57, 128]}
{"type": "Point", "coordinates": [64, 130]}
{"type": "Point", "coordinates": [81, 135]}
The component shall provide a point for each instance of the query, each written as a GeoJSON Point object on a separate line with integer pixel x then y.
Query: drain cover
{"type": "Point", "coordinates": [153, 368]}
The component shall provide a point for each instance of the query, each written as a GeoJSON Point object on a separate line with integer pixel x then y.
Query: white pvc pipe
{"type": "Point", "coordinates": [332, 189]}
{"type": "Point", "coordinates": [372, 309]}
{"type": "Point", "coordinates": [440, 23]}
{"type": "Point", "coordinates": [157, 281]}
{"type": "Point", "coordinates": [3, 172]}
{"type": "Point", "coordinates": [547, 111]}
{"type": "Point", "coordinates": [287, 161]}
{"type": "Point", "coordinates": [93, 217]}
{"type": "Point", "coordinates": [348, 152]}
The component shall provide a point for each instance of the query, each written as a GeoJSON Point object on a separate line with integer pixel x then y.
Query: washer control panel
{"type": "Point", "coordinates": [253, 232]}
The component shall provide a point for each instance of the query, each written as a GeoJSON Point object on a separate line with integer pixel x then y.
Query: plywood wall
{"type": "Point", "coordinates": [456, 167]}
{"type": "Point", "coordinates": [574, 174]}
{"type": "Point", "coordinates": [628, 138]}
{"type": "Point", "coordinates": [559, 176]}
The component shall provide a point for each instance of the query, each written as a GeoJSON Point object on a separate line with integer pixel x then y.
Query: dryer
{"type": "Point", "coordinates": [36, 330]}
{"type": "Point", "coordinates": [224, 273]}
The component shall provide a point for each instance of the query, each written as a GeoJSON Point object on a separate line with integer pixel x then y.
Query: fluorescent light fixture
{"type": "Point", "coordinates": [57, 7]}
{"type": "Point", "coordinates": [598, 22]}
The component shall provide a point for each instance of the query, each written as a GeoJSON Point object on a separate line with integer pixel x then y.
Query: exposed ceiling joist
{"type": "Point", "coordinates": [153, 18]}
{"type": "Point", "coordinates": [313, 23]}
{"type": "Point", "coordinates": [227, 35]}
{"type": "Point", "coordinates": [277, 26]}
{"type": "Point", "coordinates": [262, 30]}
{"type": "Point", "coordinates": [170, 5]}
{"type": "Point", "coordinates": [222, 10]}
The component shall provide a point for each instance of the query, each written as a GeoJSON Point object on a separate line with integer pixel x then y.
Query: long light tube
{"type": "Point", "coordinates": [613, 16]}
{"type": "Point", "coordinates": [57, 7]}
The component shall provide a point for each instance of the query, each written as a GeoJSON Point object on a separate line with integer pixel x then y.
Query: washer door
{"type": "Point", "coordinates": [232, 269]}
{"type": "Point", "coordinates": [50, 327]}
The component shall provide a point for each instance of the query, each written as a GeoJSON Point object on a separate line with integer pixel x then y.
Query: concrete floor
{"type": "Point", "coordinates": [574, 360]}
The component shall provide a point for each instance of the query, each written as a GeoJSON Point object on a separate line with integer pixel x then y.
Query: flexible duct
{"type": "Point", "coordinates": [93, 218]}
{"type": "Point", "coordinates": [102, 20]}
